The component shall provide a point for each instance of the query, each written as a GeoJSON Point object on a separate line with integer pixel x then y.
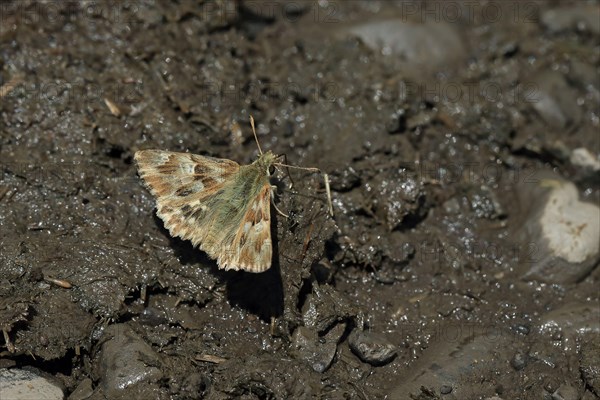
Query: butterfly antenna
{"type": "Point", "coordinates": [255, 137]}
{"type": "Point", "coordinates": [311, 169]}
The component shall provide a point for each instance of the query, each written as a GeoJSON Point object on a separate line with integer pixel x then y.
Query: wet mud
{"type": "Point", "coordinates": [461, 141]}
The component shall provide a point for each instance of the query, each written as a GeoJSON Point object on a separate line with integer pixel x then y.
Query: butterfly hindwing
{"type": "Point", "coordinates": [251, 248]}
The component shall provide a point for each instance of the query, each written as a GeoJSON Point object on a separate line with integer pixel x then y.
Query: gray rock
{"type": "Point", "coordinates": [372, 348]}
{"type": "Point", "coordinates": [585, 76]}
{"type": "Point", "coordinates": [318, 352]}
{"type": "Point", "coordinates": [454, 363]}
{"type": "Point", "coordinates": [16, 384]}
{"type": "Point", "coordinates": [127, 363]}
{"type": "Point", "coordinates": [566, 392]}
{"type": "Point", "coordinates": [554, 100]}
{"type": "Point", "coordinates": [427, 47]}
{"type": "Point", "coordinates": [446, 389]}
{"type": "Point", "coordinates": [325, 307]}
{"type": "Point", "coordinates": [559, 234]}
{"type": "Point", "coordinates": [519, 361]}
{"type": "Point", "coordinates": [83, 391]}
{"type": "Point", "coordinates": [580, 17]}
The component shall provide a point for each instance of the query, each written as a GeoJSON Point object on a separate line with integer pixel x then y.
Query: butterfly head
{"type": "Point", "coordinates": [265, 161]}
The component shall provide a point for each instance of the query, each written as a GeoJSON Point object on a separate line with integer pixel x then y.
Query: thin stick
{"type": "Point", "coordinates": [210, 358]}
{"type": "Point", "coordinates": [254, 131]}
{"type": "Point", "coordinates": [9, 345]}
{"type": "Point", "coordinates": [307, 240]}
{"type": "Point", "coordinates": [328, 191]}
{"type": "Point", "coordinates": [10, 85]}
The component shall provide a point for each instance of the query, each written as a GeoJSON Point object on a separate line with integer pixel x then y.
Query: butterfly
{"type": "Point", "coordinates": [220, 206]}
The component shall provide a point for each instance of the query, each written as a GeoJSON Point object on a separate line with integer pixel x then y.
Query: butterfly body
{"type": "Point", "coordinates": [220, 206]}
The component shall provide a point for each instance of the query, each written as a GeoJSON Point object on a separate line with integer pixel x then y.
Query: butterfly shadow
{"type": "Point", "coordinates": [260, 294]}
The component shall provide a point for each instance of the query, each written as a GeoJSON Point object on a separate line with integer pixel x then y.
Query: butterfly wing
{"type": "Point", "coordinates": [213, 203]}
{"type": "Point", "coordinates": [250, 249]}
{"type": "Point", "coordinates": [183, 185]}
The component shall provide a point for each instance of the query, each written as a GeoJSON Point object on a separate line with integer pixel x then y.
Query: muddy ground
{"type": "Point", "coordinates": [446, 130]}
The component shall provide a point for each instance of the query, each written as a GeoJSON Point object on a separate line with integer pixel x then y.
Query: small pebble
{"type": "Point", "coordinates": [372, 348]}
{"type": "Point", "coordinates": [83, 391]}
{"type": "Point", "coordinates": [522, 329]}
{"type": "Point", "coordinates": [519, 361]}
{"type": "Point", "coordinates": [126, 361]}
{"type": "Point", "coordinates": [565, 392]}
{"type": "Point", "coordinates": [317, 351]}
{"type": "Point", "coordinates": [445, 389]}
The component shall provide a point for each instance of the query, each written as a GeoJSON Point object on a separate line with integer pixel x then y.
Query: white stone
{"type": "Point", "coordinates": [571, 226]}
{"type": "Point", "coordinates": [16, 384]}
{"type": "Point", "coordinates": [582, 157]}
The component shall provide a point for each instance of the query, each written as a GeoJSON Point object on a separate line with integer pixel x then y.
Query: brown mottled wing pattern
{"type": "Point", "coordinates": [251, 249]}
{"type": "Point", "coordinates": [212, 202]}
{"type": "Point", "coordinates": [178, 175]}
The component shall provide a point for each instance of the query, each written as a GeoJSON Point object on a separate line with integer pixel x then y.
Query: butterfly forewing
{"type": "Point", "coordinates": [178, 175]}
{"type": "Point", "coordinates": [222, 207]}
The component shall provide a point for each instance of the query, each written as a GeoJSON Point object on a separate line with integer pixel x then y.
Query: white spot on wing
{"type": "Point", "coordinates": [187, 168]}
{"type": "Point", "coordinates": [163, 156]}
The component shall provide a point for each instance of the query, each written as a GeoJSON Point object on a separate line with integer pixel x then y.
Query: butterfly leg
{"type": "Point", "coordinates": [273, 188]}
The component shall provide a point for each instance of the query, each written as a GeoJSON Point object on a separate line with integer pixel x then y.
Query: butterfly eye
{"type": "Point", "coordinates": [271, 170]}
